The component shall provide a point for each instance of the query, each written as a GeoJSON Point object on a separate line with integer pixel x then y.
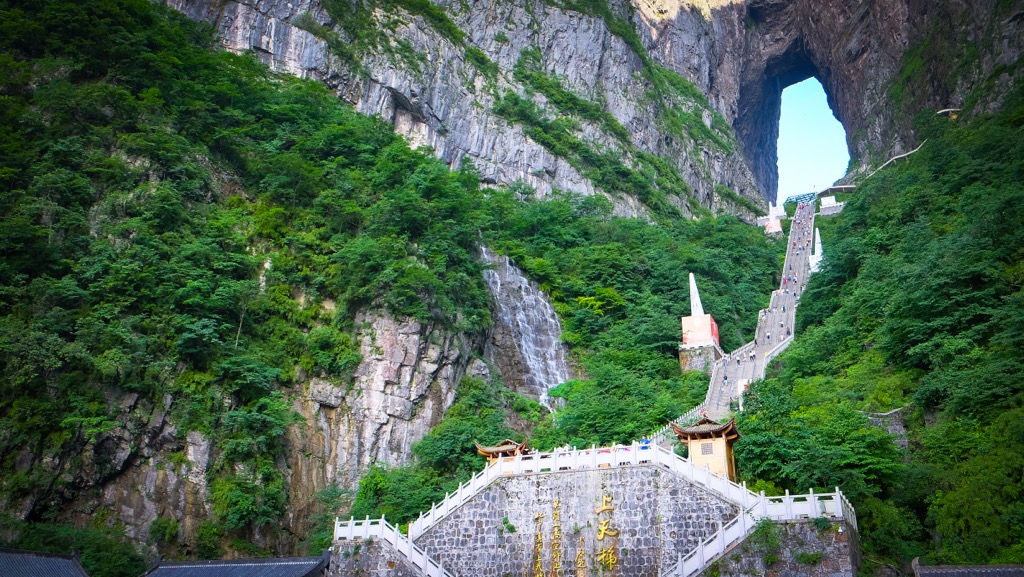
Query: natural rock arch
{"type": "Point", "coordinates": [760, 105]}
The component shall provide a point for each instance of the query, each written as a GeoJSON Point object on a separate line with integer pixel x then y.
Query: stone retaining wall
{"type": "Point", "coordinates": [804, 550]}
{"type": "Point", "coordinates": [630, 521]}
{"type": "Point", "coordinates": [370, 558]}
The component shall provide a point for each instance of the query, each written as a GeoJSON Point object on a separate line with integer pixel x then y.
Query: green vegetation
{"type": "Point", "coordinates": [807, 557]}
{"type": "Point", "coordinates": [767, 541]}
{"type": "Point", "coordinates": [434, 14]}
{"type": "Point", "coordinates": [105, 551]}
{"type": "Point", "coordinates": [619, 286]}
{"type": "Point", "coordinates": [529, 71]}
{"type": "Point", "coordinates": [506, 527]}
{"type": "Point", "coordinates": [604, 167]}
{"type": "Point", "coordinates": [176, 220]}
{"type": "Point", "coordinates": [920, 302]}
{"type": "Point", "coordinates": [731, 196]}
{"type": "Point", "coordinates": [329, 501]}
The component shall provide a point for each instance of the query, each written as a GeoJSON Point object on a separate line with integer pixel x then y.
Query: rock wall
{"type": "Point", "coordinates": [804, 551]}
{"type": "Point", "coordinates": [140, 471]}
{"type": "Point", "coordinates": [741, 54]}
{"type": "Point", "coordinates": [148, 469]}
{"type": "Point", "coordinates": [400, 390]}
{"type": "Point", "coordinates": [651, 517]}
{"type": "Point", "coordinates": [856, 50]}
{"type": "Point", "coordinates": [370, 558]}
{"type": "Point", "coordinates": [447, 104]}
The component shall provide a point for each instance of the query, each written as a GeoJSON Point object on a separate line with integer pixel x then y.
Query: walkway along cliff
{"type": "Point", "coordinates": [732, 373]}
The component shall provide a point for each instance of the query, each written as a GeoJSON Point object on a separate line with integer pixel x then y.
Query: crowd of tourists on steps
{"type": "Point", "coordinates": [775, 324]}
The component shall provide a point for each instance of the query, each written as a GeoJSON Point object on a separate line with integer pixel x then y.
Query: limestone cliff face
{"type": "Point", "coordinates": [148, 469]}
{"type": "Point", "coordinates": [448, 104]}
{"type": "Point", "coordinates": [749, 51]}
{"type": "Point", "coordinates": [741, 54]}
{"type": "Point", "coordinates": [880, 62]}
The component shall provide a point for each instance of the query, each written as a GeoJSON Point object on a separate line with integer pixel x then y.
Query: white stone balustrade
{"type": "Point", "coordinates": [753, 506]}
{"type": "Point", "coordinates": [380, 528]}
{"type": "Point", "coordinates": [606, 457]}
{"type": "Point", "coordinates": [780, 508]}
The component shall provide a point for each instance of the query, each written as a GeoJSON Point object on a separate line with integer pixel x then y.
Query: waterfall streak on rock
{"type": "Point", "coordinates": [526, 344]}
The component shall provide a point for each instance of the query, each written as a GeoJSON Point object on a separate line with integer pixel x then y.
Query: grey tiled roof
{"type": "Point", "coordinates": [15, 563]}
{"type": "Point", "coordinates": [970, 571]}
{"type": "Point", "coordinates": [280, 567]}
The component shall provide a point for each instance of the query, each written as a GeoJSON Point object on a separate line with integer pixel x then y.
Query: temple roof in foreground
{"type": "Point", "coordinates": [706, 429]}
{"type": "Point", "coordinates": [30, 563]}
{"type": "Point", "coordinates": [279, 567]}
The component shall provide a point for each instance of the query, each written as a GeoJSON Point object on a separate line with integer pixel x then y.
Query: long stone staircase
{"type": "Point", "coordinates": [729, 378]}
{"type": "Point", "coordinates": [731, 374]}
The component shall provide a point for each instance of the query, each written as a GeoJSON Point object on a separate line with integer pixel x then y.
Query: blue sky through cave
{"type": "Point", "coordinates": [812, 143]}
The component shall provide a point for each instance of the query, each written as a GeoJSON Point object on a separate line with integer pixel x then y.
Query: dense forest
{"type": "Point", "coordinates": [919, 305]}
{"type": "Point", "coordinates": [176, 219]}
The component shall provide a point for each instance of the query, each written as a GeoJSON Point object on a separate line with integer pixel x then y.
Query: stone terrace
{"type": "Point", "coordinates": [657, 516]}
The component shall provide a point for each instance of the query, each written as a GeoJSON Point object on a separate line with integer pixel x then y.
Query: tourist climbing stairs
{"type": "Point", "coordinates": [729, 377]}
{"type": "Point", "coordinates": [732, 374]}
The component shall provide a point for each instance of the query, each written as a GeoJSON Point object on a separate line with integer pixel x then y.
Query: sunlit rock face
{"type": "Point", "coordinates": [741, 54]}
{"type": "Point", "coordinates": [447, 104]}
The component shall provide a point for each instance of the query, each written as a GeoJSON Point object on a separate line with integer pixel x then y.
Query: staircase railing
{"type": "Point", "coordinates": [751, 505]}
{"type": "Point", "coordinates": [780, 508]}
{"type": "Point", "coordinates": [575, 460]}
{"type": "Point", "coordinates": [665, 433]}
{"type": "Point", "coordinates": [353, 529]}
{"type": "Point", "coordinates": [714, 395]}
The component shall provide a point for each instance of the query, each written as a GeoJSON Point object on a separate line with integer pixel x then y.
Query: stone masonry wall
{"type": "Point", "coordinates": [627, 521]}
{"type": "Point", "coordinates": [370, 558]}
{"type": "Point", "coordinates": [804, 550]}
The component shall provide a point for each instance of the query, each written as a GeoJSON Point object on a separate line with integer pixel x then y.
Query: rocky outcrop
{"type": "Point", "coordinates": [141, 469]}
{"type": "Point", "coordinates": [859, 52]}
{"type": "Point", "coordinates": [145, 468]}
{"type": "Point", "coordinates": [740, 54]}
{"type": "Point", "coordinates": [448, 104]}
{"type": "Point", "coordinates": [403, 386]}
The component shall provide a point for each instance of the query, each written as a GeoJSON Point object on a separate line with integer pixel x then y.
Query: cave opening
{"type": "Point", "coordinates": [812, 149]}
{"type": "Point", "coordinates": [759, 114]}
